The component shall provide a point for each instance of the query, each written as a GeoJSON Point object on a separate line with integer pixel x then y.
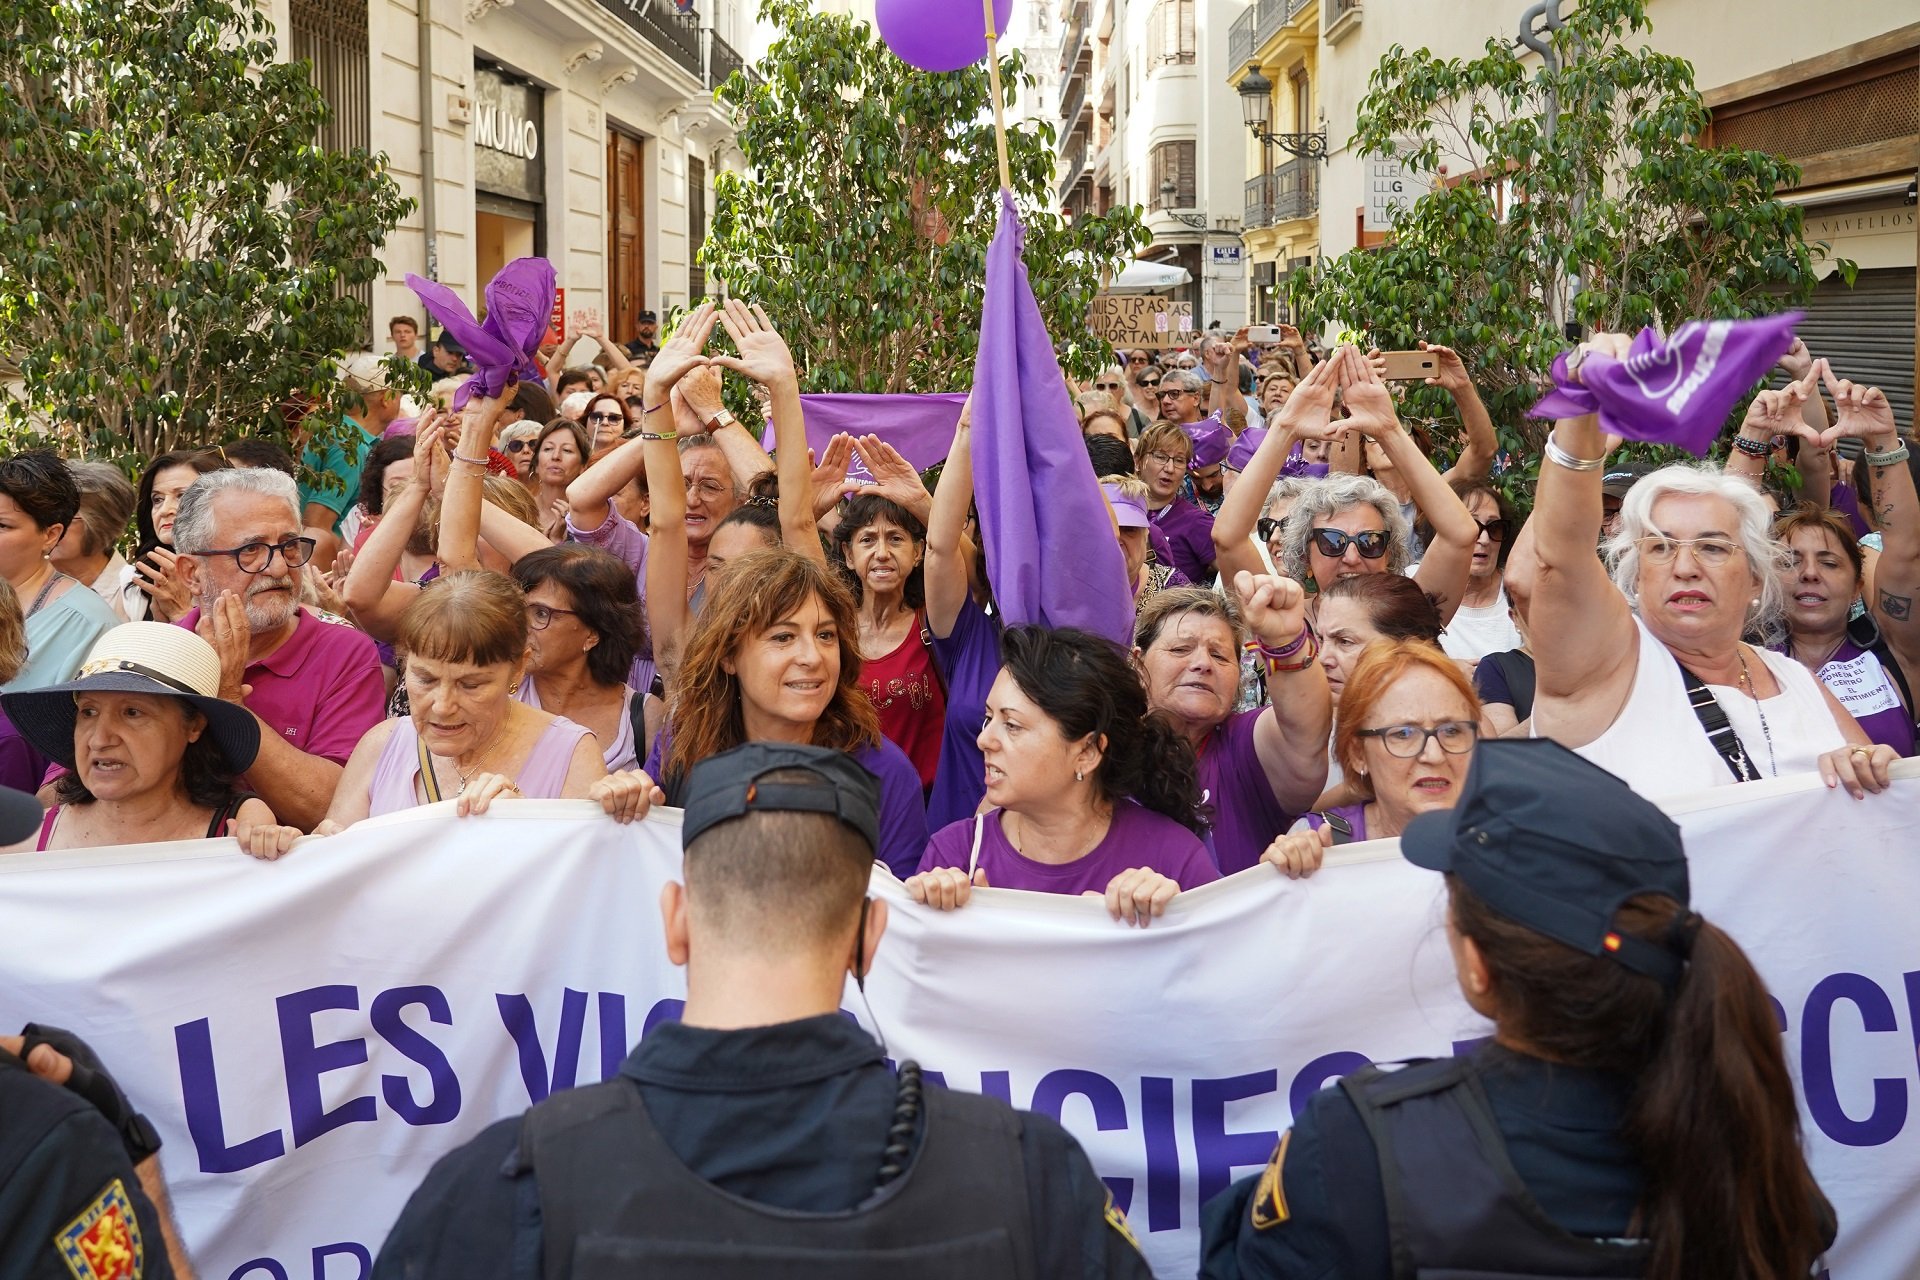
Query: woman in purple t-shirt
{"type": "Point", "coordinates": [1094, 794]}
{"type": "Point", "coordinates": [1408, 724]}
{"type": "Point", "coordinates": [1258, 768]}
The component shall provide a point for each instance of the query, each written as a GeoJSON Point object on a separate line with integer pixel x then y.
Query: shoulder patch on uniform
{"type": "Point", "coordinates": [103, 1243]}
{"type": "Point", "coordinates": [1118, 1221]}
{"type": "Point", "coordinates": [1269, 1208]}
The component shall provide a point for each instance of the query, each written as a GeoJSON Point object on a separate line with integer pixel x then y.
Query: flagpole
{"type": "Point", "coordinates": [999, 107]}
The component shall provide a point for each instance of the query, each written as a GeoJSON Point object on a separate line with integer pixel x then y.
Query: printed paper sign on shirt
{"type": "Point", "coordinates": [1861, 684]}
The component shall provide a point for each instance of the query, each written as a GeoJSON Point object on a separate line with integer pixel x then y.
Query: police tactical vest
{"type": "Point", "coordinates": [615, 1201]}
{"type": "Point", "coordinates": [1456, 1208]}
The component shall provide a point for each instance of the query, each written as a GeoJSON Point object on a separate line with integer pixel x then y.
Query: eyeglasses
{"type": "Point", "coordinates": [540, 616]}
{"type": "Point", "coordinates": [606, 419]}
{"type": "Point", "coordinates": [1495, 529]}
{"type": "Point", "coordinates": [1167, 460]}
{"type": "Point", "coordinates": [1456, 737]}
{"type": "Point", "coordinates": [519, 446]}
{"type": "Point", "coordinates": [1710, 552]}
{"type": "Point", "coordinates": [1136, 359]}
{"type": "Point", "coordinates": [1144, 382]}
{"type": "Point", "coordinates": [256, 556]}
{"type": "Point", "coordinates": [705, 488]}
{"type": "Point", "coordinates": [1106, 386]}
{"type": "Point", "coordinates": [1174, 391]}
{"type": "Point", "coordinates": [1372, 543]}
{"type": "Point", "coordinates": [1266, 527]}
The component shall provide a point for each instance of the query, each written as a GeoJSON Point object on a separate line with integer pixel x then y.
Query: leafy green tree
{"type": "Point", "coordinates": [1617, 193]}
{"type": "Point", "coordinates": [871, 195]}
{"type": "Point", "coordinates": [176, 253]}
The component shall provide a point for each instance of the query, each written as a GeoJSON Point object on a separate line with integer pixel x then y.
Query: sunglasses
{"type": "Point", "coordinates": [605, 419]}
{"type": "Point", "coordinates": [1266, 527]}
{"type": "Point", "coordinates": [1149, 382]}
{"type": "Point", "coordinates": [1106, 386]}
{"type": "Point", "coordinates": [1495, 529]}
{"type": "Point", "coordinates": [1136, 359]}
{"type": "Point", "coordinates": [1334, 542]}
{"type": "Point", "coordinates": [519, 446]}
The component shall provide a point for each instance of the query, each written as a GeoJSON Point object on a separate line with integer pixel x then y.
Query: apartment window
{"type": "Point", "coordinates": [1173, 161]}
{"type": "Point", "coordinates": [1170, 37]}
{"type": "Point", "coordinates": [1301, 103]}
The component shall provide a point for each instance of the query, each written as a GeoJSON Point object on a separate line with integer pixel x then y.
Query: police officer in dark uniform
{"type": "Point", "coordinates": [1632, 1115]}
{"type": "Point", "coordinates": [764, 1132]}
{"type": "Point", "coordinates": [647, 341]}
{"type": "Point", "coordinates": [74, 1204]}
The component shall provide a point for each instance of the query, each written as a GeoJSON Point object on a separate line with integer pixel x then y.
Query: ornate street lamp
{"type": "Point", "coordinates": [1256, 105]}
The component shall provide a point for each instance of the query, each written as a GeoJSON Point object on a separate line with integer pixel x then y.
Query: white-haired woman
{"type": "Point", "coordinates": [1637, 679]}
{"type": "Point", "coordinates": [1348, 525]}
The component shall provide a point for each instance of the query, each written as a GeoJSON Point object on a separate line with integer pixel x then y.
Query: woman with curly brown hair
{"type": "Point", "coordinates": [774, 657]}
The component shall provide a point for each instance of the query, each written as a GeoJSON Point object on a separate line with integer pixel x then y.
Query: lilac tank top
{"type": "Point", "coordinates": [540, 778]}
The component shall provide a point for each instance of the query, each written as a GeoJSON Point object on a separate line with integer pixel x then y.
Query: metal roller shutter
{"type": "Point", "coordinates": [1867, 332]}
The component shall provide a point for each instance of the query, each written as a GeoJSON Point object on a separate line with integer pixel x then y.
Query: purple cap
{"type": "Point", "coordinates": [1210, 441]}
{"type": "Point", "coordinates": [1128, 511]}
{"type": "Point", "coordinates": [1243, 449]}
{"type": "Point", "coordinates": [399, 427]}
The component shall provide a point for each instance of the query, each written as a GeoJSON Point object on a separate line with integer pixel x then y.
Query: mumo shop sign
{"type": "Point", "coordinates": [501, 128]}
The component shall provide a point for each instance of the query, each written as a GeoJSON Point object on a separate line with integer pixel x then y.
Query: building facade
{"type": "Point", "coordinates": [1840, 98]}
{"type": "Point", "coordinates": [1276, 44]}
{"type": "Point", "coordinates": [1146, 116]}
{"type": "Point", "coordinates": [583, 131]}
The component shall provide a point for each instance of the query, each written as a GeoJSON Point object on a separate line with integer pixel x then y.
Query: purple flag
{"type": "Point", "coordinates": [920, 427]}
{"type": "Point", "coordinates": [519, 304]}
{"type": "Point", "coordinates": [1676, 390]}
{"type": "Point", "coordinates": [1051, 553]}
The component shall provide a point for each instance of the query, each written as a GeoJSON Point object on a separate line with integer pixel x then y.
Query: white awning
{"type": "Point", "coordinates": [1148, 277]}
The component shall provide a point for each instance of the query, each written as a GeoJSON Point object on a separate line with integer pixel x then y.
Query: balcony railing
{"type": "Point", "coordinates": [657, 25]}
{"type": "Point", "coordinates": [1259, 201]}
{"type": "Point", "coordinates": [1338, 9]}
{"type": "Point", "coordinates": [1296, 190]}
{"type": "Point", "coordinates": [1240, 41]}
{"type": "Point", "coordinates": [1074, 99]}
{"type": "Point", "coordinates": [1076, 42]}
{"type": "Point", "coordinates": [1072, 165]}
{"type": "Point", "coordinates": [722, 60]}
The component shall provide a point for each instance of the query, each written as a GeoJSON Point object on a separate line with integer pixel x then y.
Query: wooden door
{"type": "Point", "coordinates": [626, 261]}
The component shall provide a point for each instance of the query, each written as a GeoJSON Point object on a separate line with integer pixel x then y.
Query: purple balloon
{"type": "Point", "coordinates": [939, 35]}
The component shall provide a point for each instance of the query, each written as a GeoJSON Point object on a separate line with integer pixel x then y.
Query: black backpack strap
{"type": "Point", "coordinates": [226, 813]}
{"type": "Point", "coordinates": [1713, 718]}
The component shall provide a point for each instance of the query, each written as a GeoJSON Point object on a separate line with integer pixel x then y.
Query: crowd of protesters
{"type": "Point", "coordinates": [586, 588]}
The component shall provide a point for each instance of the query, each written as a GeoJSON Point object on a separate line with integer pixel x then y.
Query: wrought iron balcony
{"type": "Point", "coordinates": [656, 23]}
{"type": "Point", "coordinates": [1259, 203]}
{"type": "Point", "coordinates": [1296, 190]}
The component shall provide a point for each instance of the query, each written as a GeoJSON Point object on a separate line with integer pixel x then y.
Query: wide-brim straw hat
{"type": "Point", "coordinates": [138, 657]}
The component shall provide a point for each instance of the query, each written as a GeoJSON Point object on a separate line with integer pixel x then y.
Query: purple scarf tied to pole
{"type": "Point", "coordinates": [519, 308]}
{"type": "Point", "coordinates": [1676, 390]}
{"type": "Point", "coordinates": [1051, 553]}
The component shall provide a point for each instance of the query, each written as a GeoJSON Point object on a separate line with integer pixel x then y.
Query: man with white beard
{"type": "Point", "coordinates": [315, 686]}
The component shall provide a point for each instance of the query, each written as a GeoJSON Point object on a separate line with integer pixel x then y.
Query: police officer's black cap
{"type": "Point", "coordinates": [728, 786]}
{"type": "Point", "coordinates": [1555, 843]}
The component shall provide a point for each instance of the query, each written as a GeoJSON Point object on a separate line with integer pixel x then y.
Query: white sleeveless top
{"type": "Point", "coordinates": [1656, 744]}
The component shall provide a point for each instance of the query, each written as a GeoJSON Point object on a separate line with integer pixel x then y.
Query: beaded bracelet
{"type": "Point", "coordinates": [1753, 448]}
{"type": "Point", "coordinates": [476, 462]}
{"type": "Point", "coordinates": [1891, 457]}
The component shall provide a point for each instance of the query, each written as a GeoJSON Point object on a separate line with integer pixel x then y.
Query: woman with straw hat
{"type": "Point", "coordinates": [152, 754]}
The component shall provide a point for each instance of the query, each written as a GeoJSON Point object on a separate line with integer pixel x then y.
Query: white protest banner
{"type": "Point", "coordinates": [311, 1035]}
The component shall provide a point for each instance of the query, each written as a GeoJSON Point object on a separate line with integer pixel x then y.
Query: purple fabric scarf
{"type": "Point", "coordinates": [519, 306]}
{"type": "Point", "coordinates": [1050, 550]}
{"type": "Point", "coordinates": [1249, 444]}
{"type": "Point", "coordinates": [1676, 390]}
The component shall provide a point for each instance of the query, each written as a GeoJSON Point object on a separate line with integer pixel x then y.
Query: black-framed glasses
{"type": "Point", "coordinates": [1176, 391]}
{"type": "Point", "coordinates": [1148, 383]}
{"type": "Point", "coordinates": [1372, 543]}
{"type": "Point", "coordinates": [1456, 737]}
{"type": "Point", "coordinates": [256, 556]}
{"type": "Point", "coordinates": [1266, 527]}
{"type": "Point", "coordinates": [540, 616]}
{"type": "Point", "coordinates": [1496, 529]}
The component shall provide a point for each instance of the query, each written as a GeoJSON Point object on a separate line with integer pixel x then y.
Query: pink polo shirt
{"type": "Point", "coordinates": [321, 690]}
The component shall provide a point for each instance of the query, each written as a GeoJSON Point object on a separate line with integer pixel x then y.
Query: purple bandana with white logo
{"type": "Point", "coordinates": [1676, 390]}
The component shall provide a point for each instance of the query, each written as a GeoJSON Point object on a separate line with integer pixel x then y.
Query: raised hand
{"type": "Point", "coordinates": [1369, 404]}
{"type": "Point", "coordinates": [1275, 607]}
{"type": "Point", "coordinates": [1451, 373]}
{"type": "Point", "coordinates": [1777, 413]}
{"type": "Point", "coordinates": [684, 352]}
{"type": "Point", "coordinates": [893, 476]}
{"type": "Point", "coordinates": [764, 356]}
{"type": "Point", "coordinates": [1308, 412]}
{"type": "Point", "coordinates": [1857, 411]}
{"type": "Point", "coordinates": [1798, 361]}
{"type": "Point", "coordinates": [701, 390]}
{"type": "Point", "coordinates": [156, 575]}
{"type": "Point", "coordinates": [829, 481]}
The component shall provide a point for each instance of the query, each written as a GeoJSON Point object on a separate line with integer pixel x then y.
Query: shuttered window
{"type": "Point", "coordinates": [330, 36]}
{"type": "Point", "coordinates": [1170, 33]}
{"type": "Point", "coordinates": [1175, 161]}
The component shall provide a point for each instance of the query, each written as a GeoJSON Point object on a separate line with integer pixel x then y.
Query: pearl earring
{"type": "Point", "coordinates": [1079, 776]}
